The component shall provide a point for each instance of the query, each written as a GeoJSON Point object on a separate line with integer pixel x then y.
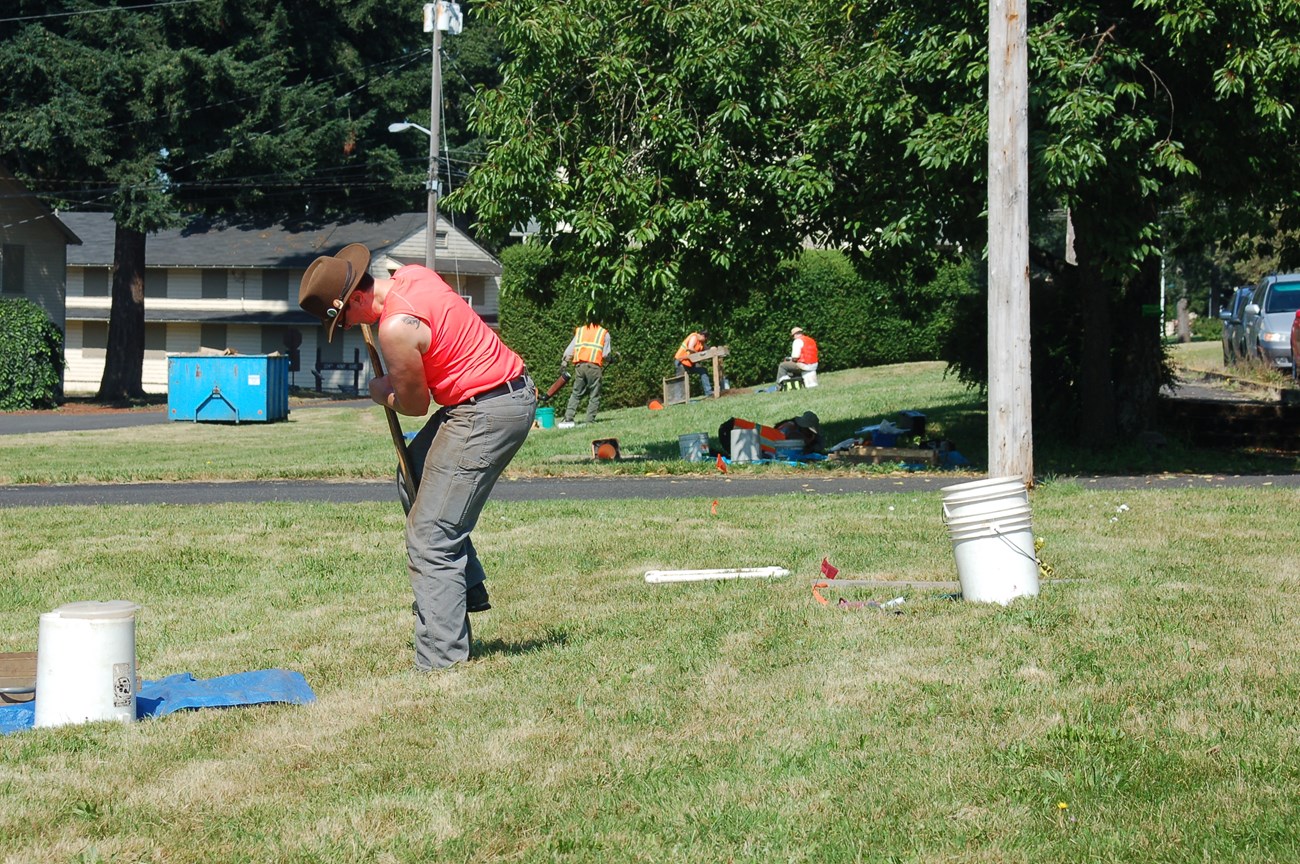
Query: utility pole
{"type": "Point", "coordinates": [439, 16]}
{"type": "Point", "coordinates": [1011, 435]}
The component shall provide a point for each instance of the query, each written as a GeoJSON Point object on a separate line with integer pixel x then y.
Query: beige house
{"type": "Point", "coordinates": [33, 249]}
{"type": "Point", "coordinates": [210, 287]}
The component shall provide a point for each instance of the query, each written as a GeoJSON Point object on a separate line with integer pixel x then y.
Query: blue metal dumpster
{"type": "Point", "coordinates": [237, 388]}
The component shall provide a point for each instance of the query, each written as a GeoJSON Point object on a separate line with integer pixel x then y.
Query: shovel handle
{"type": "Point", "coordinates": [394, 425]}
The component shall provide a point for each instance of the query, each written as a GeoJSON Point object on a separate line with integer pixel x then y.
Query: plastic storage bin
{"type": "Point", "coordinates": [236, 388]}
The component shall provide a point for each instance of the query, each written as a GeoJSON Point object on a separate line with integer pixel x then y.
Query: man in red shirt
{"type": "Point", "coordinates": [437, 350]}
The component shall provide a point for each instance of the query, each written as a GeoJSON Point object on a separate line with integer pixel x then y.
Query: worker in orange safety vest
{"type": "Point", "coordinates": [587, 350]}
{"type": "Point", "coordinates": [803, 356]}
{"type": "Point", "coordinates": [682, 362]}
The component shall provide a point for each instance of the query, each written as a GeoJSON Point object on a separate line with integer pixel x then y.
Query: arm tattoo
{"type": "Point", "coordinates": [409, 320]}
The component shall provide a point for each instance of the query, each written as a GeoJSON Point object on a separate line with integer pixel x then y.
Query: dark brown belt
{"type": "Point", "coordinates": [510, 386]}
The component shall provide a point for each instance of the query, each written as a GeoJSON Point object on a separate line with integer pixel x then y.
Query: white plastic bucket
{"type": "Point", "coordinates": [995, 556]}
{"type": "Point", "coordinates": [983, 496]}
{"type": "Point", "coordinates": [85, 663]}
{"type": "Point", "coordinates": [744, 445]}
{"type": "Point", "coordinates": [694, 447]}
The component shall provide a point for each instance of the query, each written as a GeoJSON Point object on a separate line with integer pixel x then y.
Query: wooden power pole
{"type": "Point", "coordinates": [1011, 434]}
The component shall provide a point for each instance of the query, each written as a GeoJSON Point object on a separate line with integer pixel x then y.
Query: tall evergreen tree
{"type": "Point", "coordinates": [236, 109]}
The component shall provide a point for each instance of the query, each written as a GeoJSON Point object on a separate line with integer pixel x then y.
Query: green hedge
{"type": "Point", "coordinates": [856, 320]}
{"type": "Point", "coordinates": [31, 356]}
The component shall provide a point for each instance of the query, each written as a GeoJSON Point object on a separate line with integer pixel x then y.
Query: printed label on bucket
{"type": "Point", "coordinates": [123, 686]}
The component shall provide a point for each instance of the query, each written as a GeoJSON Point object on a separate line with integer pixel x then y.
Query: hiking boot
{"type": "Point", "coordinates": [476, 598]}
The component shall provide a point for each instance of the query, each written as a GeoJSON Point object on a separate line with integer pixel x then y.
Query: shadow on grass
{"type": "Point", "coordinates": [1171, 451]}
{"type": "Point", "coordinates": [553, 638]}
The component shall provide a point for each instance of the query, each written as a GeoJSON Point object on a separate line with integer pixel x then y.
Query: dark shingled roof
{"type": "Point", "coordinates": [270, 247]}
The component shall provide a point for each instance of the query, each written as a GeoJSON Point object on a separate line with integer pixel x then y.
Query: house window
{"type": "Point", "coordinates": [214, 285]}
{"type": "Point", "coordinates": [275, 284]}
{"type": "Point", "coordinates": [439, 239]}
{"type": "Point", "coordinates": [11, 269]}
{"type": "Point", "coordinates": [155, 337]}
{"type": "Point", "coordinates": [213, 336]}
{"type": "Point", "coordinates": [94, 338]}
{"type": "Point", "coordinates": [94, 282]}
{"type": "Point", "coordinates": [155, 283]}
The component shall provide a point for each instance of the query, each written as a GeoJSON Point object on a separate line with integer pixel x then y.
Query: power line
{"type": "Point", "coordinates": [97, 11]}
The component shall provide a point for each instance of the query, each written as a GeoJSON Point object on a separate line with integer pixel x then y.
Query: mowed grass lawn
{"type": "Point", "coordinates": [1142, 708]}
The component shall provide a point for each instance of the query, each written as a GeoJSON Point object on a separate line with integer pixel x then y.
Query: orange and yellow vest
{"type": "Point", "coordinates": [591, 344]}
{"type": "Point", "coordinates": [691, 344]}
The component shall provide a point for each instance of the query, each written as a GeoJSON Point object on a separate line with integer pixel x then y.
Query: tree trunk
{"type": "Point", "coordinates": [124, 358]}
{"type": "Point", "coordinates": [1142, 368]}
{"type": "Point", "coordinates": [1096, 388]}
{"type": "Point", "coordinates": [1184, 321]}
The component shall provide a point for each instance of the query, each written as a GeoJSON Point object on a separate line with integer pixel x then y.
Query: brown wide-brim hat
{"type": "Point", "coordinates": [330, 281]}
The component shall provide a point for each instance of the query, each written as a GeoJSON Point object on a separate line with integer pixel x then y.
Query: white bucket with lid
{"type": "Point", "coordinates": [983, 496]}
{"type": "Point", "coordinates": [85, 663]}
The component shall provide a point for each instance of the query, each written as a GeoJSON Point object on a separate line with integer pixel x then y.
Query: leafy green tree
{"type": "Point", "coordinates": [238, 109]}
{"type": "Point", "coordinates": [1136, 107]}
{"type": "Point", "coordinates": [659, 144]}
{"type": "Point", "coordinates": [685, 146]}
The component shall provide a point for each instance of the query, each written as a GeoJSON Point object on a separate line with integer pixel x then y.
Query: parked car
{"type": "Point", "coordinates": [1234, 333]}
{"type": "Point", "coordinates": [1268, 318]}
{"type": "Point", "coordinates": [1295, 348]}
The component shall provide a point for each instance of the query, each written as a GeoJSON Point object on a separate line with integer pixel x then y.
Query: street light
{"type": "Point", "coordinates": [431, 230]}
{"type": "Point", "coordinates": [439, 16]}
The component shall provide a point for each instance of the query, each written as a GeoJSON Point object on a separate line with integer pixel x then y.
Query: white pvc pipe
{"type": "Point", "coordinates": [657, 576]}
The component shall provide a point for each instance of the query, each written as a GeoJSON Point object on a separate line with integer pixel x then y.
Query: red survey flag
{"type": "Point", "coordinates": [722, 465]}
{"type": "Point", "coordinates": [714, 508]}
{"type": "Point", "coordinates": [828, 571]}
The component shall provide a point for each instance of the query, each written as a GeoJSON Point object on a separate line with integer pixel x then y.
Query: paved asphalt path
{"type": "Point", "coordinates": [578, 489]}
{"type": "Point", "coordinates": [28, 422]}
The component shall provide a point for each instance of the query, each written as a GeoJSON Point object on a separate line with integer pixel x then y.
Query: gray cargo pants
{"type": "Point", "coordinates": [586, 382]}
{"type": "Point", "coordinates": [457, 456]}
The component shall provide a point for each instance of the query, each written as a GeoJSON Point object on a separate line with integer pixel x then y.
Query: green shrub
{"type": "Point", "coordinates": [1207, 329]}
{"type": "Point", "coordinates": [31, 356]}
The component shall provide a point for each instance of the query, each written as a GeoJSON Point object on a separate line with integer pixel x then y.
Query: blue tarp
{"type": "Point", "coordinates": [183, 691]}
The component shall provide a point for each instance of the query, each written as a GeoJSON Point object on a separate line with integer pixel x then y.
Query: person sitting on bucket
{"type": "Point", "coordinates": [803, 356]}
{"type": "Point", "coordinates": [437, 349]}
